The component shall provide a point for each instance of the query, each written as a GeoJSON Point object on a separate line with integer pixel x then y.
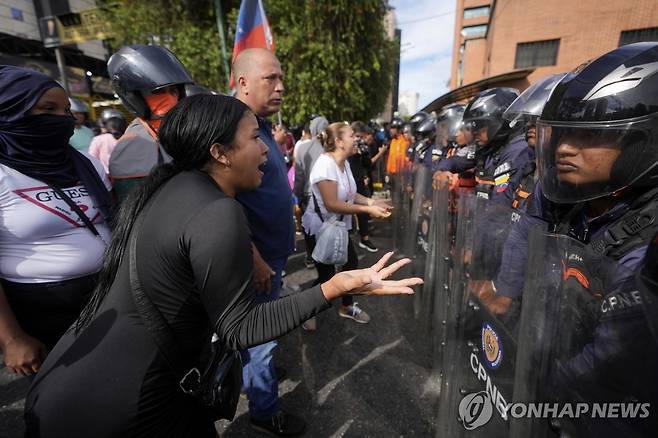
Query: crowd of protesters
{"type": "Point", "coordinates": [206, 182]}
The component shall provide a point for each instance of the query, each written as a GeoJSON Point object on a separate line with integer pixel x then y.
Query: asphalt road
{"type": "Point", "coordinates": [345, 379]}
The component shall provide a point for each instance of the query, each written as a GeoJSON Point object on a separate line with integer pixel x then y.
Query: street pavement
{"type": "Point", "coordinates": [345, 379]}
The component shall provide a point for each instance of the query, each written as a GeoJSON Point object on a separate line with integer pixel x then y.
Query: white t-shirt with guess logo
{"type": "Point", "coordinates": [41, 238]}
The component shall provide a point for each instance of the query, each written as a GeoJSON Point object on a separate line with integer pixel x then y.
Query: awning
{"type": "Point", "coordinates": [470, 90]}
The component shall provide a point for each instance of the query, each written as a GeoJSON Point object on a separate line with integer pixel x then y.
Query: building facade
{"type": "Point", "coordinates": [515, 42]}
{"type": "Point", "coordinates": [408, 103]}
{"type": "Point", "coordinates": [21, 44]}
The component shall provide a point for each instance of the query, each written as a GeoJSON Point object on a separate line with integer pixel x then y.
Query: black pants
{"type": "Point", "coordinates": [363, 189]}
{"type": "Point", "coordinates": [46, 310]}
{"type": "Point", "coordinates": [325, 272]}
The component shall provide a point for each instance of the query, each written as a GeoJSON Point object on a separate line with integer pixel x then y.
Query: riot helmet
{"type": "Point", "coordinates": [598, 132]}
{"type": "Point", "coordinates": [78, 106]}
{"type": "Point", "coordinates": [139, 70]}
{"type": "Point", "coordinates": [448, 122]}
{"type": "Point", "coordinates": [426, 130]}
{"type": "Point", "coordinates": [424, 135]}
{"type": "Point", "coordinates": [396, 123]}
{"type": "Point", "coordinates": [485, 111]}
{"type": "Point", "coordinates": [525, 110]}
{"type": "Point", "coordinates": [417, 119]}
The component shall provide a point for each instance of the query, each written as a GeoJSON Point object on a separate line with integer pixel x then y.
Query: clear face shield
{"type": "Point", "coordinates": [579, 163]}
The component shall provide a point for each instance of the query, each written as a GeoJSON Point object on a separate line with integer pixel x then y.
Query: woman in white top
{"type": "Point", "coordinates": [54, 207]}
{"type": "Point", "coordinates": [335, 197]}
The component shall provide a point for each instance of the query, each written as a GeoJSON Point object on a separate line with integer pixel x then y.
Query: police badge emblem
{"type": "Point", "coordinates": [492, 348]}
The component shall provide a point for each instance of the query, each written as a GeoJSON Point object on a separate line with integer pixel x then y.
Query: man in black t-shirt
{"type": "Point", "coordinates": [361, 164]}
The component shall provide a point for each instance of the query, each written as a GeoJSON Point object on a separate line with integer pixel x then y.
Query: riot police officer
{"type": "Point", "coordinates": [502, 151]}
{"type": "Point", "coordinates": [149, 80]}
{"type": "Point", "coordinates": [425, 143]}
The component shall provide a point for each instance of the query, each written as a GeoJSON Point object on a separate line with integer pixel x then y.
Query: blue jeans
{"type": "Point", "coordinates": [259, 379]}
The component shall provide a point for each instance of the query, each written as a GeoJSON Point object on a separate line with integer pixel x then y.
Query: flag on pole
{"type": "Point", "coordinates": [253, 29]}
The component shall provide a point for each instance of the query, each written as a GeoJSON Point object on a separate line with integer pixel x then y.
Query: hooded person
{"type": "Point", "coordinates": [150, 81]}
{"type": "Point", "coordinates": [55, 203]}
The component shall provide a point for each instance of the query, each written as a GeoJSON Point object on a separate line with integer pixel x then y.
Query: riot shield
{"type": "Point", "coordinates": [422, 183]}
{"type": "Point", "coordinates": [436, 293]}
{"type": "Point", "coordinates": [586, 363]}
{"type": "Point", "coordinates": [406, 181]}
{"type": "Point", "coordinates": [478, 347]}
{"type": "Point", "coordinates": [397, 186]}
{"type": "Point", "coordinates": [421, 238]}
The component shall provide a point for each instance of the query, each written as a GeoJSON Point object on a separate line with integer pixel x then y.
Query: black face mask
{"type": "Point", "coordinates": [47, 133]}
{"type": "Point", "coordinates": [38, 146]}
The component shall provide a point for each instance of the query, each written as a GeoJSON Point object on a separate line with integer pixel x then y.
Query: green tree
{"type": "Point", "coordinates": [187, 27]}
{"type": "Point", "coordinates": [335, 55]}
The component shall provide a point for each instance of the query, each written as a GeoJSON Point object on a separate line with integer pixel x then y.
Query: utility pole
{"type": "Point", "coordinates": [222, 40]}
{"type": "Point", "coordinates": [59, 53]}
{"type": "Point", "coordinates": [61, 66]}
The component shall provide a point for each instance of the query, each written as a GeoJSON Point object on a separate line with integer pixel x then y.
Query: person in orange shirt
{"type": "Point", "coordinates": [398, 148]}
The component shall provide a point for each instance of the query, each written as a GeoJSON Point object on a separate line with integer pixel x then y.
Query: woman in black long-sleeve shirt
{"type": "Point", "coordinates": [106, 377]}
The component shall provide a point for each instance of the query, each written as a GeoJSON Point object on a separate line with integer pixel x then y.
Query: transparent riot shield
{"type": "Point", "coordinates": [397, 186]}
{"type": "Point", "coordinates": [422, 184]}
{"type": "Point", "coordinates": [478, 346]}
{"type": "Point", "coordinates": [421, 238]}
{"type": "Point", "coordinates": [436, 293]}
{"type": "Point", "coordinates": [406, 182]}
{"type": "Point", "coordinates": [587, 363]}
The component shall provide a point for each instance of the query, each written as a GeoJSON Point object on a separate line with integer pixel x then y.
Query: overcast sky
{"type": "Point", "coordinates": [427, 34]}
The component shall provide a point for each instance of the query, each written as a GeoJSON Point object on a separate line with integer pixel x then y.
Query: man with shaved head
{"type": "Point", "coordinates": [259, 83]}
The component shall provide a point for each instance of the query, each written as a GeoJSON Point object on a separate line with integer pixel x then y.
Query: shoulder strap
{"type": "Point", "coordinates": [83, 217]}
{"type": "Point", "coordinates": [636, 227]}
{"type": "Point", "coordinates": [155, 322]}
{"type": "Point", "coordinates": [316, 207]}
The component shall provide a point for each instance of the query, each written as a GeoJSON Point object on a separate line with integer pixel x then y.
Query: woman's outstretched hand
{"type": "Point", "coordinates": [370, 281]}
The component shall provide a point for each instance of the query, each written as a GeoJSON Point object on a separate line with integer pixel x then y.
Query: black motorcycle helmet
{"type": "Point", "coordinates": [109, 113]}
{"type": "Point", "coordinates": [417, 119]}
{"type": "Point", "coordinates": [426, 130]}
{"type": "Point", "coordinates": [424, 136]}
{"type": "Point", "coordinates": [486, 111]}
{"type": "Point", "coordinates": [407, 128]}
{"type": "Point", "coordinates": [611, 103]}
{"type": "Point", "coordinates": [396, 123]}
{"type": "Point", "coordinates": [448, 123]}
{"type": "Point", "coordinates": [529, 105]}
{"type": "Point", "coordinates": [138, 69]}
